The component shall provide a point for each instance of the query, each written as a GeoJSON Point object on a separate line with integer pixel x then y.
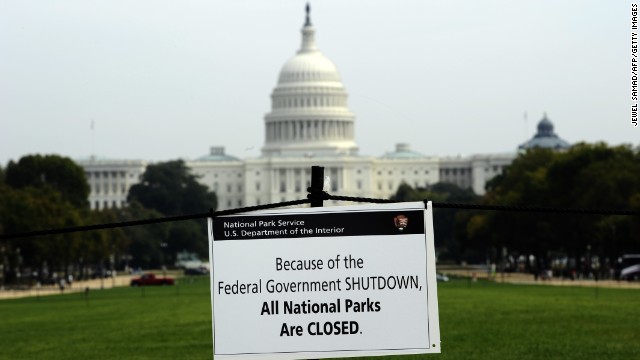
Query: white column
{"type": "Point", "coordinates": [287, 127]}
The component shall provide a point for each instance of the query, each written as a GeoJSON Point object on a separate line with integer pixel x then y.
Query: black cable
{"type": "Point", "coordinates": [323, 196]}
{"type": "Point", "coordinates": [443, 205]}
{"type": "Point", "coordinates": [151, 221]}
{"type": "Point", "coordinates": [537, 209]}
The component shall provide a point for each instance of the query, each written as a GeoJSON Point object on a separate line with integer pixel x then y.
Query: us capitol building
{"type": "Point", "coordinates": [309, 124]}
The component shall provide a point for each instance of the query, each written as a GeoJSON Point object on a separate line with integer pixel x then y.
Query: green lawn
{"type": "Point", "coordinates": [478, 321]}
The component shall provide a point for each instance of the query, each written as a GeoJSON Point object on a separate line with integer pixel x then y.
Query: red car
{"type": "Point", "coordinates": [151, 279]}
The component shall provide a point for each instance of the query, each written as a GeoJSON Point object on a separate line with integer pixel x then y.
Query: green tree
{"type": "Point", "coordinates": [447, 242]}
{"type": "Point", "coordinates": [585, 176]}
{"type": "Point", "coordinates": [145, 242]}
{"type": "Point", "coordinates": [171, 189]}
{"type": "Point", "coordinates": [54, 171]}
{"type": "Point", "coordinates": [31, 209]}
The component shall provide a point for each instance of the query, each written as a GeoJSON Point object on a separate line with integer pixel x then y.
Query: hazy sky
{"type": "Point", "coordinates": [169, 79]}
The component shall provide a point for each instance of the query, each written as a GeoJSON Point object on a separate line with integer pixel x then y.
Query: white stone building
{"type": "Point", "coordinates": [309, 124]}
{"type": "Point", "coordinates": [110, 180]}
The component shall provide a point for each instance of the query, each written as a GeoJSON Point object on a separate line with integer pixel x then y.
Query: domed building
{"type": "Point", "coordinates": [309, 124]}
{"type": "Point", "coordinates": [309, 113]}
{"type": "Point", "coordinates": [545, 138]}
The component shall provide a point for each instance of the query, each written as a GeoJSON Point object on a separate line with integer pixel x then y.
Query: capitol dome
{"type": "Point", "coordinates": [309, 66]}
{"type": "Point", "coordinates": [309, 114]}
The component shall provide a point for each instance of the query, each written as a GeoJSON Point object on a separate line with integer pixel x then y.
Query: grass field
{"type": "Point", "coordinates": [478, 321]}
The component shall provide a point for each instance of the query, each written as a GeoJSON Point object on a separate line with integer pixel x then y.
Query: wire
{"type": "Point", "coordinates": [160, 220]}
{"type": "Point", "coordinates": [315, 195]}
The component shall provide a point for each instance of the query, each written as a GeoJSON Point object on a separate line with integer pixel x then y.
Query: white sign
{"type": "Point", "coordinates": [324, 282]}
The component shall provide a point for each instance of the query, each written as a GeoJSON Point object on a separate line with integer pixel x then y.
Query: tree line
{"type": "Point", "coordinates": [47, 192]}
{"type": "Point", "coordinates": [41, 192]}
{"type": "Point", "coordinates": [585, 176]}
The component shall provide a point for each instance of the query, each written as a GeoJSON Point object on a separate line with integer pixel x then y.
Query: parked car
{"type": "Point", "coordinates": [151, 279]}
{"type": "Point", "coordinates": [631, 273]}
{"type": "Point", "coordinates": [630, 267]}
{"type": "Point", "coordinates": [196, 271]}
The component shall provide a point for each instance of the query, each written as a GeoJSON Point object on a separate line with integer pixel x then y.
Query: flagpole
{"type": "Point", "coordinates": [93, 154]}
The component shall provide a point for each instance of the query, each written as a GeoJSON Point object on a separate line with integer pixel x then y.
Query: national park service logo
{"type": "Point", "coordinates": [401, 222]}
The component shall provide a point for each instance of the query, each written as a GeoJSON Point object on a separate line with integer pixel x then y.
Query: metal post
{"type": "Point", "coordinates": [316, 188]}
